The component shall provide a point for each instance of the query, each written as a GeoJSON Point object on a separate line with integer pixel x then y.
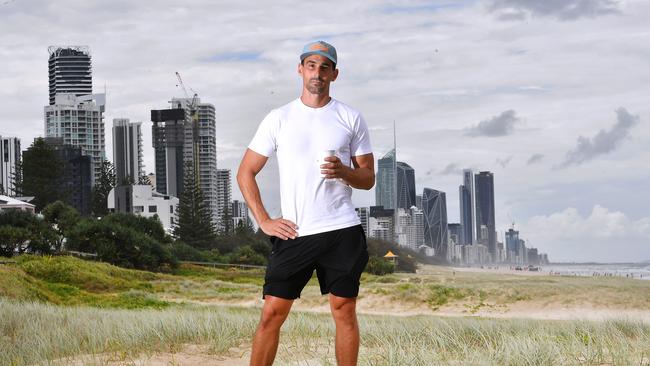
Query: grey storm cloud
{"type": "Point", "coordinates": [604, 141]}
{"type": "Point", "coordinates": [560, 9]}
{"type": "Point", "coordinates": [535, 158]}
{"type": "Point", "coordinates": [501, 125]}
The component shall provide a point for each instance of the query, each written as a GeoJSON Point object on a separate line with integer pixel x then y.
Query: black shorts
{"type": "Point", "coordinates": [338, 256]}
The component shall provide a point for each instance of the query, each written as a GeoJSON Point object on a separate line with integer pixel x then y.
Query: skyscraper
{"type": "Point", "coordinates": [512, 245]}
{"type": "Point", "coordinates": [79, 121]}
{"type": "Point", "coordinates": [69, 71]}
{"type": "Point", "coordinates": [485, 216]}
{"type": "Point", "coordinates": [127, 150]}
{"type": "Point", "coordinates": [224, 194]}
{"type": "Point", "coordinates": [207, 154]}
{"type": "Point", "coordinates": [186, 134]}
{"type": "Point", "coordinates": [385, 181]}
{"type": "Point", "coordinates": [434, 205]}
{"type": "Point", "coordinates": [9, 157]}
{"type": "Point", "coordinates": [467, 208]}
{"type": "Point", "coordinates": [405, 185]}
{"type": "Point", "coordinates": [168, 138]}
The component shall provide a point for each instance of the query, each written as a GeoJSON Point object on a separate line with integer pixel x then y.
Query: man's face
{"type": "Point", "coordinates": [317, 73]}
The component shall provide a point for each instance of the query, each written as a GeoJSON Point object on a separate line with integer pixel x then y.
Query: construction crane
{"type": "Point", "coordinates": [195, 97]}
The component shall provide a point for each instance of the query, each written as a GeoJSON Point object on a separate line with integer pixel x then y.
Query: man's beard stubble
{"type": "Point", "coordinates": [316, 89]}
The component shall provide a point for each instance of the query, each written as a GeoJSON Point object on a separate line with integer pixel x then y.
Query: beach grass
{"type": "Point", "coordinates": [67, 309]}
{"type": "Point", "coordinates": [35, 333]}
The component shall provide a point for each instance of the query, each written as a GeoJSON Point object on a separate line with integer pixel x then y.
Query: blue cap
{"type": "Point", "coordinates": [319, 48]}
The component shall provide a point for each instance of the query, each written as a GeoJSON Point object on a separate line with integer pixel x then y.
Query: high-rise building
{"type": "Point", "coordinates": [418, 201]}
{"type": "Point", "coordinates": [455, 232]}
{"type": "Point", "coordinates": [183, 136]}
{"type": "Point", "coordinates": [381, 223]}
{"type": "Point", "coordinates": [127, 151]}
{"type": "Point", "coordinates": [168, 138]}
{"type": "Point", "coordinates": [416, 232]}
{"type": "Point", "coordinates": [434, 205]}
{"type": "Point", "coordinates": [70, 71]}
{"type": "Point", "coordinates": [79, 121]}
{"type": "Point", "coordinates": [410, 227]}
{"type": "Point", "coordinates": [77, 172]}
{"type": "Point", "coordinates": [485, 216]}
{"type": "Point", "coordinates": [224, 193]}
{"type": "Point", "coordinates": [405, 185]}
{"type": "Point", "coordinates": [207, 153]}
{"type": "Point", "coordinates": [364, 215]}
{"type": "Point", "coordinates": [239, 213]}
{"type": "Point", "coordinates": [467, 208]}
{"type": "Point", "coordinates": [512, 244]}
{"type": "Point", "coordinates": [385, 181]}
{"type": "Point", "coordinates": [10, 156]}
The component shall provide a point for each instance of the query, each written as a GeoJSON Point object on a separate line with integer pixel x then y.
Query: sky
{"type": "Point", "coordinates": [551, 96]}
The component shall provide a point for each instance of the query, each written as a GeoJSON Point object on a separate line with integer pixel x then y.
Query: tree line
{"type": "Point", "coordinates": [133, 241]}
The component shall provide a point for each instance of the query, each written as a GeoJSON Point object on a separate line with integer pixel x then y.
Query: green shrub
{"type": "Point", "coordinates": [24, 232]}
{"type": "Point", "coordinates": [120, 244]}
{"type": "Point", "coordinates": [246, 255]}
{"type": "Point", "coordinates": [379, 266]}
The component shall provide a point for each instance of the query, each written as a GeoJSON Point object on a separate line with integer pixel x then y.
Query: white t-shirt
{"type": "Point", "coordinates": [300, 135]}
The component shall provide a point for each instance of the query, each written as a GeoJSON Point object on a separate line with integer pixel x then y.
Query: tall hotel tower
{"type": "Point", "coordinates": [70, 71]}
{"type": "Point", "coordinates": [74, 113]}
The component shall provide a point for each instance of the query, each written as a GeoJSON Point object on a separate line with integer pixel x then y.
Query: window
{"type": "Point", "coordinates": [171, 209]}
{"type": "Point", "coordinates": [138, 209]}
{"type": "Point", "coordinates": [153, 209]}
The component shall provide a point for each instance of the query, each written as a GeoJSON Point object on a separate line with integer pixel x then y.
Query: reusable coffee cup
{"type": "Point", "coordinates": [325, 154]}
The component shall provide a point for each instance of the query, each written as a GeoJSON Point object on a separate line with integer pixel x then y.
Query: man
{"type": "Point", "coordinates": [319, 228]}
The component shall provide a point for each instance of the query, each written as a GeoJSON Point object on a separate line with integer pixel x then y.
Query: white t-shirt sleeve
{"type": "Point", "coordinates": [360, 144]}
{"type": "Point", "coordinates": [264, 141]}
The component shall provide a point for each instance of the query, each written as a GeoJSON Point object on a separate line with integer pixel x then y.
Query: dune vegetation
{"type": "Point", "coordinates": [60, 310]}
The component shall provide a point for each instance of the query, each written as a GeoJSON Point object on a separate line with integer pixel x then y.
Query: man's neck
{"type": "Point", "coordinates": [315, 100]}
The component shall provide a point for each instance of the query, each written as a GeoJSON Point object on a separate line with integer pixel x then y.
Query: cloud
{"type": "Point", "coordinates": [504, 162]}
{"type": "Point", "coordinates": [534, 159]}
{"type": "Point", "coordinates": [560, 9]}
{"type": "Point", "coordinates": [567, 235]}
{"type": "Point", "coordinates": [450, 169]}
{"type": "Point", "coordinates": [604, 141]}
{"type": "Point", "coordinates": [496, 126]}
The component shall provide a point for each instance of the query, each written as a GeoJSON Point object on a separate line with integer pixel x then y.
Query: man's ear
{"type": "Point", "coordinates": [300, 68]}
{"type": "Point", "coordinates": [336, 74]}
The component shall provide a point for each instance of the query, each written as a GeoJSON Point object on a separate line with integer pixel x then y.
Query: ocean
{"type": "Point", "coordinates": [631, 270]}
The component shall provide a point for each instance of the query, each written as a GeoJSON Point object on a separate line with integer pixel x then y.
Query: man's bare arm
{"type": "Point", "coordinates": [361, 176]}
{"type": "Point", "coordinates": [251, 164]}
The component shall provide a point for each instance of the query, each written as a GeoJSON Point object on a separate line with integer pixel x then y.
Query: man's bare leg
{"type": "Point", "coordinates": [267, 336]}
{"type": "Point", "coordinates": [347, 329]}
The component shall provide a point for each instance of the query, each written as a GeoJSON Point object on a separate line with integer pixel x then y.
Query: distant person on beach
{"type": "Point", "coordinates": [323, 151]}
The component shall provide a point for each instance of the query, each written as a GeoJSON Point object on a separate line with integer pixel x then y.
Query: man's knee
{"type": "Point", "coordinates": [344, 310]}
{"type": "Point", "coordinates": [274, 313]}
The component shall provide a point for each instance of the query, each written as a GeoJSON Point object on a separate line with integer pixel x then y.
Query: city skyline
{"type": "Point", "coordinates": [518, 90]}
